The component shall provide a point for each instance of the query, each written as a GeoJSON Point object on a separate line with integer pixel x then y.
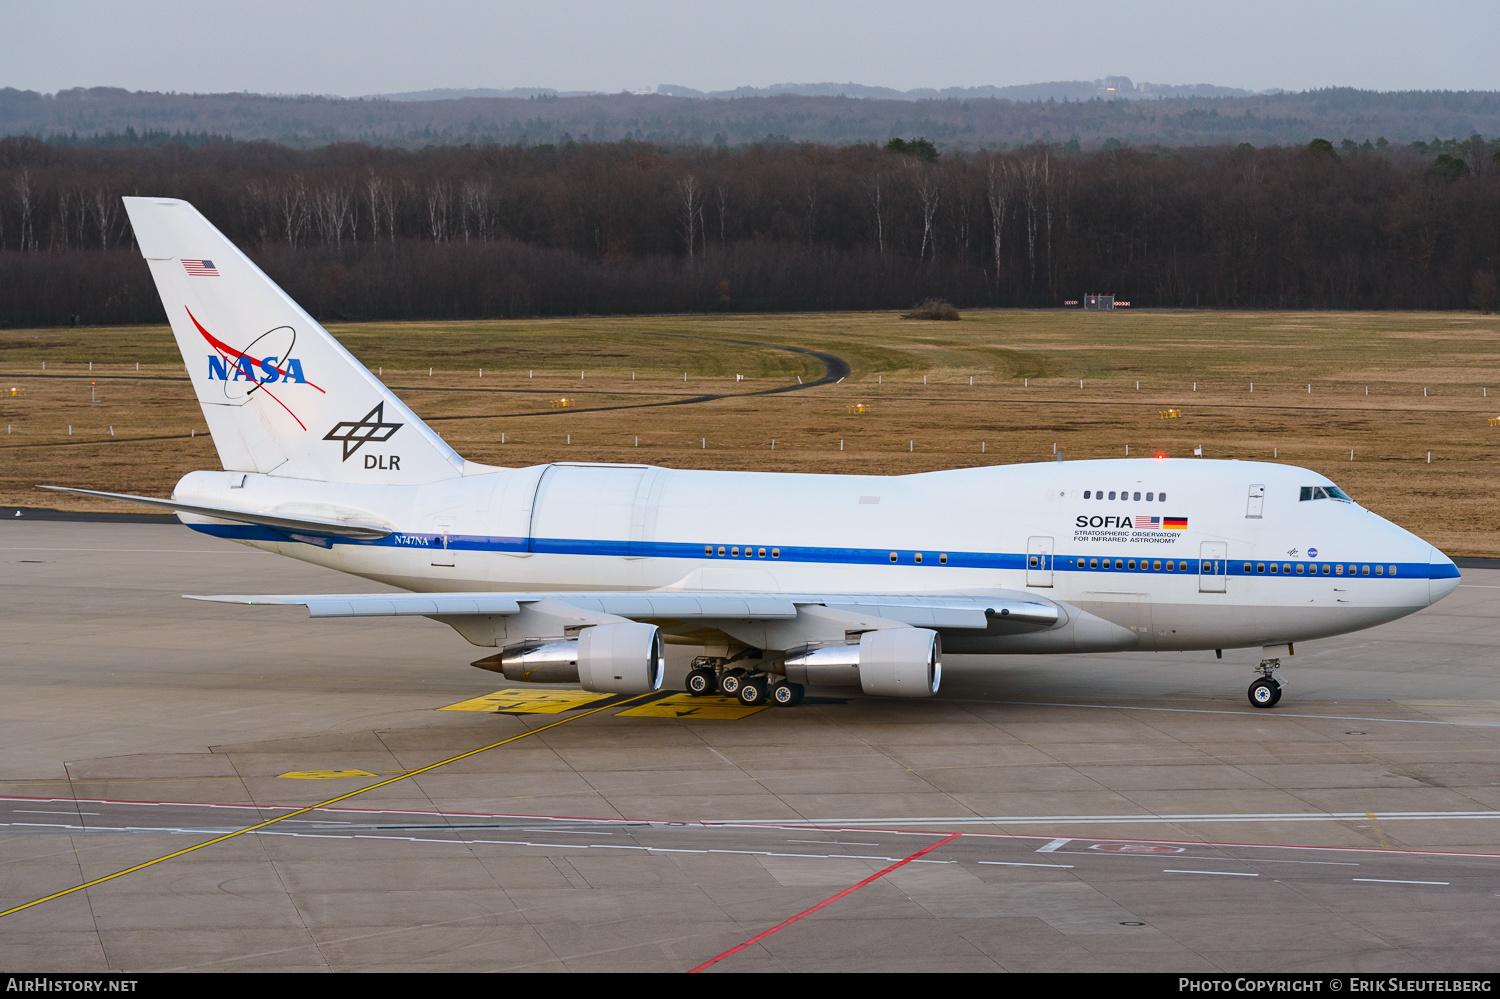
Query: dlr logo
{"type": "Point", "coordinates": [393, 463]}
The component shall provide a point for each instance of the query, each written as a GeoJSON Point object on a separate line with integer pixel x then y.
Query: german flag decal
{"type": "Point", "coordinates": [1174, 523]}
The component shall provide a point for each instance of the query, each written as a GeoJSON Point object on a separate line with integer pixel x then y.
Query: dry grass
{"type": "Point", "coordinates": [1024, 399]}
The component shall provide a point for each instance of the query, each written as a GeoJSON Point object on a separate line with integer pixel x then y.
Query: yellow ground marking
{"type": "Point", "coordinates": [688, 706]}
{"type": "Point", "coordinates": [303, 811]}
{"type": "Point", "coordinates": [325, 774]}
{"type": "Point", "coordinates": [529, 702]}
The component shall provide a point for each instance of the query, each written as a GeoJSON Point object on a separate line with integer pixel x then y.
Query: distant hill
{"type": "Point", "coordinates": [951, 119]}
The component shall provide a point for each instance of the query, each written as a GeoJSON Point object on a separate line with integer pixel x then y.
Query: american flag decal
{"type": "Point", "coordinates": [200, 268]}
{"type": "Point", "coordinates": [1148, 523]}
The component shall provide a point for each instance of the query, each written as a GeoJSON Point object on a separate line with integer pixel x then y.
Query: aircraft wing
{"type": "Point", "coordinates": [958, 612]}
{"type": "Point", "coordinates": [356, 525]}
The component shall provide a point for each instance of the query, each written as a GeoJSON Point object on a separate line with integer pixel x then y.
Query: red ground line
{"type": "Point", "coordinates": [826, 902]}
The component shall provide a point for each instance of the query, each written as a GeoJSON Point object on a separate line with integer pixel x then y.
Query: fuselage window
{"type": "Point", "coordinates": [1273, 567]}
{"type": "Point", "coordinates": [1137, 496]}
{"type": "Point", "coordinates": [919, 558]}
{"type": "Point", "coordinates": [721, 551]}
{"type": "Point", "coordinates": [1260, 567]}
{"type": "Point", "coordinates": [1326, 570]}
{"type": "Point", "coordinates": [1380, 570]}
{"type": "Point", "coordinates": [1300, 568]}
{"type": "Point", "coordinates": [1247, 566]}
{"type": "Point", "coordinates": [893, 558]}
{"type": "Point", "coordinates": [1161, 497]}
{"type": "Point", "coordinates": [1111, 494]}
{"type": "Point", "coordinates": [1338, 570]}
{"type": "Point", "coordinates": [1085, 494]}
{"type": "Point", "coordinates": [1150, 497]}
{"type": "Point", "coordinates": [734, 553]}
{"type": "Point", "coordinates": [1364, 570]}
{"type": "Point", "coordinates": [1182, 567]}
{"type": "Point", "coordinates": [776, 553]}
{"type": "Point", "coordinates": [1119, 564]}
{"type": "Point", "coordinates": [1131, 563]}
{"type": "Point", "coordinates": [942, 558]}
{"type": "Point", "coordinates": [708, 549]}
{"type": "Point", "coordinates": [761, 552]}
{"type": "Point", "coordinates": [1393, 570]}
{"type": "Point", "coordinates": [1156, 565]}
{"type": "Point", "coordinates": [1093, 563]}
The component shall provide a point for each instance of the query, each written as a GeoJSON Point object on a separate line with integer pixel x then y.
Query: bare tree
{"type": "Point", "coordinates": [476, 208]}
{"type": "Point", "coordinates": [22, 185]}
{"type": "Point", "coordinates": [291, 201]}
{"type": "Point", "coordinates": [690, 210]}
{"type": "Point", "coordinates": [721, 200]}
{"type": "Point", "coordinates": [877, 206]}
{"type": "Point", "coordinates": [1000, 177]}
{"type": "Point", "coordinates": [928, 194]}
{"type": "Point", "coordinates": [439, 207]}
{"type": "Point", "coordinates": [106, 215]}
{"type": "Point", "coordinates": [330, 205]}
{"type": "Point", "coordinates": [374, 189]}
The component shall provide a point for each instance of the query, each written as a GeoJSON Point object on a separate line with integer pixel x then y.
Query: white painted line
{"type": "Point", "coordinates": [830, 842]}
{"type": "Point", "coordinates": [1054, 845]}
{"type": "Point", "coordinates": [1227, 874]}
{"type": "Point", "coordinates": [28, 811]}
{"type": "Point", "coordinates": [1023, 820]}
{"type": "Point", "coordinates": [1016, 863]}
{"type": "Point", "coordinates": [1392, 881]}
{"type": "Point", "coordinates": [1210, 711]}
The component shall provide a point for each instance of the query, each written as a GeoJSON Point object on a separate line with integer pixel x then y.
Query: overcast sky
{"type": "Point", "coordinates": [380, 46]}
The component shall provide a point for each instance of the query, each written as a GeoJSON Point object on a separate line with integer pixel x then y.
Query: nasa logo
{"type": "Point", "coordinates": [271, 370]}
{"type": "Point", "coordinates": [1312, 553]}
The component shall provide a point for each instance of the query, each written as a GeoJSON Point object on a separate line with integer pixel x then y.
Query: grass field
{"type": "Point", "coordinates": [1389, 386]}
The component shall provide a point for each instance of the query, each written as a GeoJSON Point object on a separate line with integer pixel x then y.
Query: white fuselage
{"type": "Point", "coordinates": [1234, 557]}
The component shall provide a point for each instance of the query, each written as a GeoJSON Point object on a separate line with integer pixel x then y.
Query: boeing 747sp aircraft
{"type": "Point", "coordinates": [578, 572]}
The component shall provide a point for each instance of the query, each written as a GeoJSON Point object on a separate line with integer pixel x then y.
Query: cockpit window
{"type": "Point", "coordinates": [1323, 492]}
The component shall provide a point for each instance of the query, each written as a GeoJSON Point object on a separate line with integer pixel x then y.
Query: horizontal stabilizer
{"type": "Point", "coordinates": [358, 527]}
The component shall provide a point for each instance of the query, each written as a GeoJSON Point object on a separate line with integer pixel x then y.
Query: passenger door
{"type": "Point", "coordinates": [1256, 503]}
{"type": "Point", "coordinates": [1213, 567]}
{"type": "Point", "coordinates": [1039, 555]}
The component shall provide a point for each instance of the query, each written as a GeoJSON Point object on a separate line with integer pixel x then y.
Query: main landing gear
{"type": "Point", "coordinates": [1266, 691]}
{"type": "Point", "coordinates": [710, 676]}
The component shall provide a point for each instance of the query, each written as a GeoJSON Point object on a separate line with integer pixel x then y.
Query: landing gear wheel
{"type": "Point", "coordinates": [752, 691]}
{"type": "Point", "coordinates": [787, 694]}
{"type": "Point", "coordinates": [1265, 692]}
{"type": "Point", "coordinates": [730, 682]}
{"type": "Point", "coordinates": [701, 681]}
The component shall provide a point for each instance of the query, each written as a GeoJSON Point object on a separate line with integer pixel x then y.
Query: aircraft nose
{"type": "Point", "coordinates": [1442, 576]}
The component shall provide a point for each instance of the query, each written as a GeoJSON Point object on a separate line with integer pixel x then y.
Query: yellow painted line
{"type": "Point", "coordinates": [301, 811]}
{"type": "Point", "coordinates": [325, 774]}
{"type": "Point", "coordinates": [530, 702]}
{"type": "Point", "coordinates": [688, 706]}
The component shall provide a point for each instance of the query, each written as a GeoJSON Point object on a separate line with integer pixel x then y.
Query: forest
{"type": "Point", "coordinates": [367, 232]}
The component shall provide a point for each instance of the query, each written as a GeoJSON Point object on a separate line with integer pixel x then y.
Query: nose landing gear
{"type": "Point", "coordinates": [1266, 691]}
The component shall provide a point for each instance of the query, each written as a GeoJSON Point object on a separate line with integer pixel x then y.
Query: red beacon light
{"type": "Point", "coordinates": [1161, 454]}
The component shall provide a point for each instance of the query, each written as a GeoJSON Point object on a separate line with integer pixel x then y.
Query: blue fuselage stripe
{"type": "Point", "coordinates": [847, 556]}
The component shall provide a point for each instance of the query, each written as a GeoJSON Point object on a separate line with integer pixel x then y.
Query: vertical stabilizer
{"type": "Point", "coordinates": [280, 394]}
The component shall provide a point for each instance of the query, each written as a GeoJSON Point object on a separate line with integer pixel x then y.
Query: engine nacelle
{"type": "Point", "coordinates": [891, 662]}
{"type": "Point", "coordinates": [900, 662]}
{"type": "Point", "coordinates": [623, 658]}
{"type": "Point", "coordinates": [537, 662]}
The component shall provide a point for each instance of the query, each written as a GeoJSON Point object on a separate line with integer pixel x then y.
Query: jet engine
{"type": "Point", "coordinates": [890, 662]}
{"type": "Point", "coordinates": [622, 658]}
